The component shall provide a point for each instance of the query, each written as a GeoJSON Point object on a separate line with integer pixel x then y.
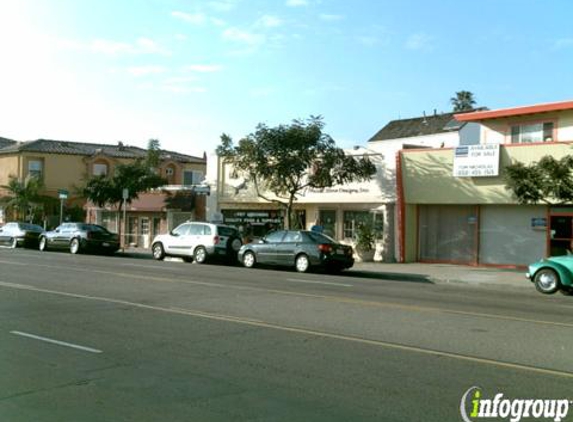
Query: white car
{"type": "Point", "coordinates": [196, 241]}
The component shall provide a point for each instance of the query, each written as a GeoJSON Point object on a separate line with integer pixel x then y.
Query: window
{"type": "Point", "coordinates": [191, 177]}
{"type": "Point", "coordinates": [197, 230]}
{"type": "Point", "coordinates": [353, 220]}
{"type": "Point", "coordinates": [182, 230]}
{"type": "Point", "coordinates": [528, 133]}
{"type": "Point", "coordinates": [275, 237]}
{"type": "Point", "coordinates": [293, 237]}
{"type": "Point", "coordinates": [169, 171]}
{"type": "Point", "coordinates": [100, 169]}
{"type": "Point", "coordinates": [35, 168]}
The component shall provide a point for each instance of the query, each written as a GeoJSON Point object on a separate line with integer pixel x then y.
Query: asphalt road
{"type": "Point", "coordinates": [94, 338]}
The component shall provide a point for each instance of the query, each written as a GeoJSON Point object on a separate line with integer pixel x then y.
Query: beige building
{"type": "Point", "coordinates": [453, 206]}
{"type": "Point", "coordinates": [65, 166]}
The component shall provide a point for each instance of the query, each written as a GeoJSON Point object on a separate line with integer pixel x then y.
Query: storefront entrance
{"type": "Point", "coordinates": [560, 231]}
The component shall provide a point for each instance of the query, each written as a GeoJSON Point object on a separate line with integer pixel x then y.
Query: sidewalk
{"type": "Point", "coordinates": [446, 273]}
{"type": "Point", "coordinates": [418, 272]}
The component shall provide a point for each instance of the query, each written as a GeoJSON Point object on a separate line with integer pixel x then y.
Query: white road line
{"type": "Point", "coordinates": [329, 283]}
{"type": "Point", "coordinates": [60, 343]}
{"type": "Point", "coordinates": [300, 330]}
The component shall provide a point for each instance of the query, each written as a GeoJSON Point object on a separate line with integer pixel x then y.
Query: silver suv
{"type": "Point", "coordinates": [195, 241]}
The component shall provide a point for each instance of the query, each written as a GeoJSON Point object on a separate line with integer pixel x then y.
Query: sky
{"type": "Point", "coordinates": [187, 71]}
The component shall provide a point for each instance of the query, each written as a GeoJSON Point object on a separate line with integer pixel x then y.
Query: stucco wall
{"type": "Point", "coordinates": [428, 175]}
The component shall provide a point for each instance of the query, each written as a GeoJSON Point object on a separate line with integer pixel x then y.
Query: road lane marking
{"type": "Point", "coordinates": [328, 283]}
{"type": "Point", "coordinates": [299, 330]}
{"type": "Point", "coordinates": [58, 342]}
{"type": "Point", "coordinates": [339, 299]}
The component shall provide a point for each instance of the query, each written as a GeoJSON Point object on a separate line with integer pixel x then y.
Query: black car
{"type": "Point", "coordinates": [80, 237]}
{"type": "Point", "coordinates": [16, 234]}
{"type": "Point", "coordinates": [299, 248]}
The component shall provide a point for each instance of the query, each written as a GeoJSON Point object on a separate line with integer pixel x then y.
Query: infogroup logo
{"type": "Point", "coordinates": [474, 407]}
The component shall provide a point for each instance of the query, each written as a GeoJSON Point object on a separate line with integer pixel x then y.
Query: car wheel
{"type": "Point", "coordinates": [546, 281]}
{"type": "Point", "coordinates": [302, 263]}
{"type": "Point", "coordinates": [13, 243]}
{"type": "Point", "coordinates": [200, 255]}
{"type": "Point", "coordinates": [43, 245]}
{"type": "Point", "coordinates": [233, 246]}
{"type": "Point", "coordinates": [158, 251]}
{"type": "Point", "coordinates": [75, 246]}
{"type": "Point", "coordinates": [249, 259]}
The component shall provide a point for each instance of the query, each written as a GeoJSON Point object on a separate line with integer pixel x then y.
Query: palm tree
{"type": "Point", "coordinates": [463, 101]}
{"type": "Point", "coordinates": [23, 196]}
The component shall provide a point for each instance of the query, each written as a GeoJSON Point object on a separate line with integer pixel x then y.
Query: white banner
{"type": "Point", "coordinates": [476, 160]}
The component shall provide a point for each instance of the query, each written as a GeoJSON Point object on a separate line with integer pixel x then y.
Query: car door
{"type": "Point", "coordinates": [199, 234]}
{"type": "Point", "coordinates": [6, 233]}
{"type": "Point", "coordinates": [60, 237]}
{"type": "Point", "coordinates": [267, 250]}
{"type": "Point", "coordinates": [178, 240]}
{"type": "Point", "coordinates": [287, 248]}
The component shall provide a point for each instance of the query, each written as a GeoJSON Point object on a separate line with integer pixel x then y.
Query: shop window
{"type": "Point", "coordinates": [528, 133]}
{"type": "Point", "coordinates": [35, 168]}
{"type": "Point", "coordinates": [352, 220]}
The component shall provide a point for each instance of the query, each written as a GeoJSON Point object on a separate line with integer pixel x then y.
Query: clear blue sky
{"type": "Point", "coordinates": [186, 71]}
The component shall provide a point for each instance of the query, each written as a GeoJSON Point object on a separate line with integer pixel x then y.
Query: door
{"type": "Point", "coordinates": [131, 234]}
{"type": "Point", "coordinates": [144, 231]}
{"type": "Point", "coordinates": [561, 235]}
{"type": "Point", "coordinates": [6, 233]}
{"type": "Point", "coordinates": [288, 247]}
{"type": "Point", "coordinates": [156, 227]}
{"type": "Point", "coordinates": [63, 235]}
{"type": "Point", "coordinates": [178, 242]}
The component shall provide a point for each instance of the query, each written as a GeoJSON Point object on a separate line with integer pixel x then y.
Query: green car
{"type": "Point", "coordinates": [552, 274]}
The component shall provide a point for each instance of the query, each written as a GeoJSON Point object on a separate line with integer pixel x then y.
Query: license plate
{"type": "Point", "coordinates": [340, 251]}
{"type": "Point", "coordinates": [105, 245]}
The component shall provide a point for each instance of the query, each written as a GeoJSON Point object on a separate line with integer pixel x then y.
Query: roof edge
{"type": "Point", "coordinates": [514, 111]}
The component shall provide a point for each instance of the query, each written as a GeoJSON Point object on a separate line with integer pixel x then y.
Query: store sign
{"type": "Point", "coordinates": [236, 217]}
{"type": "Point", "coordinates": [539, 223]}
{"type": "Point", "coordinates": [476, 160]}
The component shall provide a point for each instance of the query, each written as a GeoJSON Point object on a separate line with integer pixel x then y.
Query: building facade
{"type": "Point", "coordinates": [65, 166]}
{"type": "Point", "coordinates": [453, 205]}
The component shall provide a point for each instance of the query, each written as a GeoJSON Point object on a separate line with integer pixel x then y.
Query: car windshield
{"type": "Point", "coordinates": [320, 237]}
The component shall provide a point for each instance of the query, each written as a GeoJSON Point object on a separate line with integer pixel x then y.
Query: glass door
{"type": "Point", "coordinates": [560, 235]}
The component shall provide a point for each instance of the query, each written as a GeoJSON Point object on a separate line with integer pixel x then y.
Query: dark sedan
{"type": "Point", "coordinates": [299, 248]}
{"type": "Point", "coordinates": [20, 234]}
{"type": "Point", "coordinates": [80, 237]}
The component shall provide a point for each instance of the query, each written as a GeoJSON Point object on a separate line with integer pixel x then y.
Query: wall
{"type": "Point", "coordinates": [428, 175]}
{"type": "Point", "coordinates": [8, 167]}
{"type": "Point", "coordinates": [512, 240]}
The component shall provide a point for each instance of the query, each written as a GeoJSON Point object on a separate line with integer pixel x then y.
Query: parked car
{"type": "Point", "coordinates": [197, 241]}
{"type": "Point", "coordinates": [16, 234]}
{"type": "Point", "coordinates": [552, 274]}
{"type": "Point", "coordinates": [80, 237]}
{"type": "Point", "coordinates": [299, 248]}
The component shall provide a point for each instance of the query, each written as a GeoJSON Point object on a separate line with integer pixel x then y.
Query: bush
{"type": "Point", "coordinates": [365, 238]}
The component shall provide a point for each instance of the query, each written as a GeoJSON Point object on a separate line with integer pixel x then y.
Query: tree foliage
{"type": "Point", "coordinates": [463, 101]}
{"type": "Point", "coordinates": [287, 159]}
{"type": "Point", "coordinates": [136, 177]}
{"type": "Point", "coordinates": [24, 196]}
{"type": "Point", "coordinates": [549, 181]}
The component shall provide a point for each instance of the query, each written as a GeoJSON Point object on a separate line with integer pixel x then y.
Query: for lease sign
{"type": "Point", "coordinates": [476, 160]}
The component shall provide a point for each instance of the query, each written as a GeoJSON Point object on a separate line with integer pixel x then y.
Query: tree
{"type": "Point", "coordinates": [153, 153]}
{"type": "Point", "coordinates": [463, 101]}
{"type": "Point", "coordinates": [136, 177]}
{"type": "Point", "coordinates": [286, 159]}
{"type": "Point", "coordinates": [23, 197]}
{"type": "Point", "coordinates": [549, 181]}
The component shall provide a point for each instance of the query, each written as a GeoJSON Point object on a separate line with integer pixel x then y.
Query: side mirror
{"type": "Point", "coordinates": [172, 233]}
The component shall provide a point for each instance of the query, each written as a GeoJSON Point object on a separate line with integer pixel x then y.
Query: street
{"type": "Point", "coordinates": [95, 338]}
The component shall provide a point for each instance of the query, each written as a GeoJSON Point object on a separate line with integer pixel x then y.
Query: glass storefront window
{"type": "Point", "coordinates": [353, 219]}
